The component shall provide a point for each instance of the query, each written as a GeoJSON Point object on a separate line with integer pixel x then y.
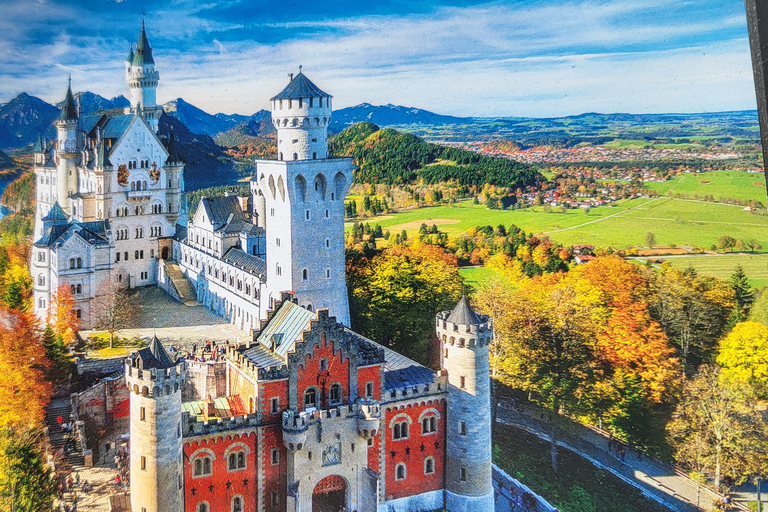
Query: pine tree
{"type": "Point", "coordinates": [743, 293]}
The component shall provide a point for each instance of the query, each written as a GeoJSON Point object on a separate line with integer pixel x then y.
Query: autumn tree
{"type": "Point", "coordinates": [715, 426]}
{"type": "Point", "coordinates": [62, 315]}
{"type": "Point", "coordinates": [114, 309]}
{"type": "Point", "coordinates": [26, 484]}
{"type": "Point", "coordinates": [743, 356]}
{"type": "Point", "coordinates": [396, 294]}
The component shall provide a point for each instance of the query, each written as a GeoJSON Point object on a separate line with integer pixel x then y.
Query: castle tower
{"type": "Point", "coordinates": [155, 383]}
{"type": "Point", "coordinates": [174, 173]}
{"type": "Point", "coordinates": [67, 175]}
{"type": "Point", "coordinates": [299, 200]}
{"type": "Point", "coordinates": [464, 336]}
{"type": "Point", "coordinates": [142, 79]}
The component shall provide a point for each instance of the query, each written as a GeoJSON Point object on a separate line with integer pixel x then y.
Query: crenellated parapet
{"type": "Point", "coordinates": [193, 426]}
{"type": "Point", "coordinates": [463, 335]}
{"type": "Point", "coordinates": [154, 382]}
{"type": "Point", "coordinates": [368, 418]}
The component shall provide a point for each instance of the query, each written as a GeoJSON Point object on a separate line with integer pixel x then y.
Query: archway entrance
{"type": "Point", "coordinates": [165, 253]}
{"type": "Point", "coordinates": [330, 495]}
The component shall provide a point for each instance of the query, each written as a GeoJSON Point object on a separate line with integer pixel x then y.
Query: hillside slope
{"type": "Point", "coordinates": [389, 156]}
{"type": "Point", "coordinates": [389, 115]}
{"type": "Point", "coordinates": [23, 118]}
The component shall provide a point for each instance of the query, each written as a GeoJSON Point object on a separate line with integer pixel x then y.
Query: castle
{"type": "Point", "coordinates": [308, 416]}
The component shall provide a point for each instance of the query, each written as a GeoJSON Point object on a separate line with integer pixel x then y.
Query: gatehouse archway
{"type": "Point", "coordinates": [330, 495]}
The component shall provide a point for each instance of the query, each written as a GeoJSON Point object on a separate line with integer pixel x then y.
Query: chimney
{"type": "Point", "coordinates": [210, 408]}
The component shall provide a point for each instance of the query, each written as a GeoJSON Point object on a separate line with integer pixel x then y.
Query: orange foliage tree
{"type": "Point", "coordinates": [62, 316]}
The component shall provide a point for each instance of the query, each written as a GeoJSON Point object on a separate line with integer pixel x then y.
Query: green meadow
{"type": "Point", "coordinates": [721, 265]}
{"type": "Point", "coordinates": [740, 185]}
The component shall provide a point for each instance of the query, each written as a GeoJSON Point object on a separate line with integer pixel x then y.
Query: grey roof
{"type": "Point", "coordinates": [154, 356]}
{"type": "Point", "coordinates": [463, 314]}
{"type": "Point", "coordinates": [262, 357]}
{"type": "Point", "coordinates": [94, 233]}
{"type": "Point", "coordinates": [56, 213]}
{"type": "Point", "coordinates": [173, 152]}
{"type": "Point", "coordinates": [69, 108]}
{"type": "Point", "coordinates": [301, 87]}
{"type": "Point", "coordinates": [408, 377]}
{"type": "Point", "coordinates": [220, 208]}
{"type": "Point", "coordinates": [87, 123]}
{"type": "Point", "coordinates": [285, 328]}
{"type": "Point", "coordinates": [242, 260]}
{"type": "Point", "coordinates": [39, 143]}
{"type": "Point", "coordinates": [143, 50]}
{"type": "Point", "coordinates": [115, 126]}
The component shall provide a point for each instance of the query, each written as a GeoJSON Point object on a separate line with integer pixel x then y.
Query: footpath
{"type": "Point", "coordinates": [656, 480]}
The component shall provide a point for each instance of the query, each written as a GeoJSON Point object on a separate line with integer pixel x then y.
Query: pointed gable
{"type": "Point", "coordinates": [463, 314]}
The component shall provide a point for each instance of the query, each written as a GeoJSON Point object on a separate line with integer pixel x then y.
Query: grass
{"type": "Point", "coordinates": [722, 266]}
{"type": "Point", "coordinates": [578, 486]}
{"type": "Point", "coordinates": [673, 221]}
{"type": "Point", "coordinates": [476, 276]}
{"type": "Point", "coordinates": [99, 346]}
{"type": "Point", "coordinates": [727, 184]}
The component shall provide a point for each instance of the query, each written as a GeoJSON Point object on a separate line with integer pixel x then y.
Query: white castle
{"type": "Point", "coordinates": [110, 211]}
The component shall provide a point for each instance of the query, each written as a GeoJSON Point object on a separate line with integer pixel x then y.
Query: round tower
{"type": "Point", "coordinates": [464, 338]}
{"type": "Point", "coordinates": [142, 79]}
{"type": "Point", "coordinates": [155, 381]}
{"type": "Point", "coordinates": [301, 114]}
{"type": "Point", "coordinates": [67, 151]}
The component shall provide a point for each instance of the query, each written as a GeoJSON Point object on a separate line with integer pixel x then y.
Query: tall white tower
{"type": "Point", "coordinates": [155, 383]}
{"type": "Point", "coordinates": [67, 175]}
{"type": "Point", "coordinates": [299, 199]}
{"type": "Point", "coordinates": [142, 79]}
{"type": "Point", "coordinates": [464, 336]}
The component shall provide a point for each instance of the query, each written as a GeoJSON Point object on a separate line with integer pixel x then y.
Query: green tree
{"type": "Point", "coordinates": [25, 480]}
{"type": "Point", "coordinates": [742, 292]}
{"type": "Point", "coordinates": [726, 243]}
{"type": "Point", "coordinates": [650, 240]}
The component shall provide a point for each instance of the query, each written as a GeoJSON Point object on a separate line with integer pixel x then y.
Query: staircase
{"type": "Point", "coordinates": [181, 283]}
{"type": "Point", "coordinates": [56, 436]}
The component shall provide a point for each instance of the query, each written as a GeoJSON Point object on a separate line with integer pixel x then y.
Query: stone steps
{"type": "Point", "coordinates": [56, 435]}
{"type": "Point", "coordinates": [182, 284]}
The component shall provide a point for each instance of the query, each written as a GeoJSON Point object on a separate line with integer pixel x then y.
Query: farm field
{"type": "Point", "coordinates": [740, 185]}
{"type": "Point", "coordinates": [476, 276]}
{"type": "Point", "coordinates": [673, 221]}
{"type": "Point", "coordinates": [722, 266]}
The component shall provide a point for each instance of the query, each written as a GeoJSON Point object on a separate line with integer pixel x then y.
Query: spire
{"type": "Point", "coordinates": [463, 314]}
{"type": "Point", "coordinates": [130, 55]}
{"type": "Point", "coordinates": [143, 54]}
{"type": "Point", "coordinates": [69, 108]}
{"type": "Point", "coordinates": [173, 152]}
{"type": "Point", "coordinates": [102, 158]}
{"type": "Point", "coordinates": [39, 143]}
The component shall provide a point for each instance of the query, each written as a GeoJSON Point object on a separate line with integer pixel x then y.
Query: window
{"type": "Point", "coordinates": [323, 364]}
{"type": "Point", "coordinates": [429, 425]}
{"type": "Point", "coordinates": [275, 498]}
{"type": "Point", "coordinates": [327, 242]}
{"type": "Point", "coordinates": [462, 382]}
{"type": "Point", "coordinates": [202, 466]}
{"type": "Point", "coordinates": [126, 255]}
{"type": "Point", "coordinates": [277, 242]}
{"type": "Point", "coordinates": [236, 460]}
{"type": "Point", "coordinates": [463, 474]}
{"type": "Point", "coordinates": [429, 466]}
{"type": "Point", "coordinates": [143, 462]}
{"type": "Point", "coordinates": [136, 255]}
{"type": "Point", "coordinates": [462, 428]}
{"type": "Point", "coordinates": [400, 430]}
{"type": "Point", "coordinates": [203, 507]}
{"type": "Point", "coordinates": [400, 472]}
{"type": "Point", "coordinates": [370, 442]}
{"type": "Point", "coordinates": [314, 155]}
{"type": "Point", "coordinates": [274, 405]}
{"type": "Point", "coordinates": [41, 280]}
{"type": "Point", "coordinates": [327, 273]}
{"type": "Point", "coordinates": [327, 214]}
{"type": "Point", "coordinates": [143, 414]}
{"type": "Point", "coordinates": [369, 389]}
{"type": "Point", "coordinates": [41, 256]}
{"type": "Point", "coordinates": [306, 214]}
{"type": "Point", "coordinates": [310, 398]}
{"type": "Point", "coordinates": [78, 313]}
{"type": "Point", "coordinates": [118, 257]}
{"type": "Point", "coordinates": [237, 504]}
{"type": "Point", "coordinates": [274, 456]}
{"type": "Point", "coordinates": [304, 274]}
{"type": "Point", "coordinates": [335, 394]}
{"type": "Point", "coordinates": [41, 303]}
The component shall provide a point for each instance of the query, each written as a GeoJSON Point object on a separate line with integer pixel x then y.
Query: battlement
{"type": "Point", "coordinates": [464, 335]}
{"type": "Point", "coordinates": [154, 381]}
{"type": "Point", "coordinates": [195, 426]}
{"type": "Point", "coordinates": [296, 423]}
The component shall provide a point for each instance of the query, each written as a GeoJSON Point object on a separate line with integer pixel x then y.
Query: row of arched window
{"type": "Point", "coordinates": [237, 505]}
{"type": "Point", "coordinates": [401, 471]}
{"type": "Point", "coordinates": [304, 123]}
{"type": "Point", "coordinates": [335, 396]}
{"type": "Point", "coordinates": [300, 102]}
{"type": "Point", "coordinates": [401, 424]}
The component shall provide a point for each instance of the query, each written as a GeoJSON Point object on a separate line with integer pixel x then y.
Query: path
{"type": "Point", "coordinates": [654, 479]}
{"type": "Point", "coordinates": [622, 212]}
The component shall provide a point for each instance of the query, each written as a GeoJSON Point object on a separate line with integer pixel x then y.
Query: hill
{"type": "Point", "coordinates": [200, 121]}
{"type": "Point", "coordinates": [207, 163]}
{"type": "Point", "coordinates": [23, 118]}
{"type": "Point", "coordinates": [91, 102]}
{"type": "Point", "coordinates": [389, 156]}
{"type": "Point", "coordinates": [389, 115]}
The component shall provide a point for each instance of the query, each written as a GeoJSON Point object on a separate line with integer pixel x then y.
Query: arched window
{"type": "Point", "coordinates": [310, 398]}
{"type": "Point", "coordinates": [236, 460]}
{"type": "Point", "coordinates": [429, 466]}
{"type": "Point", "coordinates": [304, 274]}
{"type": "Point", "coordinates": [320, 187]}
{"type": "Point", "coordinates": [340, 183]}
{"type": "Point", "coordinates": [335, 394]}
{"type": "Point", "coordinates": [400, 430]}
{"type": "Point", "coordinates": [300, 187]}
{"type": "Point", "coordinates": [203, 507]}
{"type": "Point", "coordinates": [314, 155]}
{"type": "Point", "coordinates": [400, 472]}
{"type": "Point", "coordinates": [203, 464]}
{"type": "Point", "coordinates": [295, 156]}
{"type": "Point", "coordinates": [237, 504]}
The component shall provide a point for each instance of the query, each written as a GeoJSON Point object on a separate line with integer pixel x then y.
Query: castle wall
{"type": "Point", "coordinates": [222, 485]}
{"type": "Point", "coordinates": [273, 477]}
{"type": "Point", "coordinates": [337, 373]}
{"type": "Point", "coordinates": [368, 374]}
{"type": "Point", "coordinates": [244, 386]}
{"type": "Point", "coordinates": [414, 450]}
{"type": "Point", "coordinates": [272, 389]}
{"type": "Point", "coordinates": [208, 379]}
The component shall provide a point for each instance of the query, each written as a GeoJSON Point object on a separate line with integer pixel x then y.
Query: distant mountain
{"type": "Point", "coordinates": [199, 121]}
{"type": "Point", "coordinates": [92, 102]}
{"type": "Point", "coordinates": [6, 162]}
{"type": "Point", "coordinates": [207, 164]}
{"type": "Point", "coordinates": [23, 118]}
{"type": "Point", "coordinates": [389, 115]}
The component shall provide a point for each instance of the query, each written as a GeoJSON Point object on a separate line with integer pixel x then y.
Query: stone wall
{"type": "Point", "coordinates": [100, 366]}
{"type": "Point", "coordinates": [208, 379]}
{"type": "Point", "coordinates": [509, 492]}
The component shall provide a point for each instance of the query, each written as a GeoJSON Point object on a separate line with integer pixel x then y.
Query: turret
{"type": "Point", "coordinates": [142, 79]}
{"type": "Point", "coordinates": [174, 173]}
{"type": "Point", "coordinates": [155, 380]}
{"type": "Point", "coordinates": [66, 149]}
{"type": "Point", "coordinates": [464, 337]}
{"type": "Point", "coordinates": [301, 114]}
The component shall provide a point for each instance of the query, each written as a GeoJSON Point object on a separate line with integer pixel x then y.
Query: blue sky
{"type": "Point", "coordinates": [504, 58]}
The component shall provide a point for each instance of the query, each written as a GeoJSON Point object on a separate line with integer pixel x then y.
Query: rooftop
{"type": "Point", "coordinates": [301, 87]}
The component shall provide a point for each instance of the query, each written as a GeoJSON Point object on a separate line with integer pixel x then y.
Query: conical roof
{"type": "Point", "coordinates": [69, 108]}
{"type": "Point", "coordinates": [463, 314]}
{"type": "Point", "coordinates": [143, 54]}
{"type": "Point", "coordinates": [301, 87]}
{"type": "Point", "coordinates": [39, 143]}
{"type": "Point", "coordinates": [130, 55]}
{"type": "Point", "coordinates": [55, 214]}
{"type": "Point", "coordinates": [155, 356]}
{"type": "Point", "coordinates": [173, 151]}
